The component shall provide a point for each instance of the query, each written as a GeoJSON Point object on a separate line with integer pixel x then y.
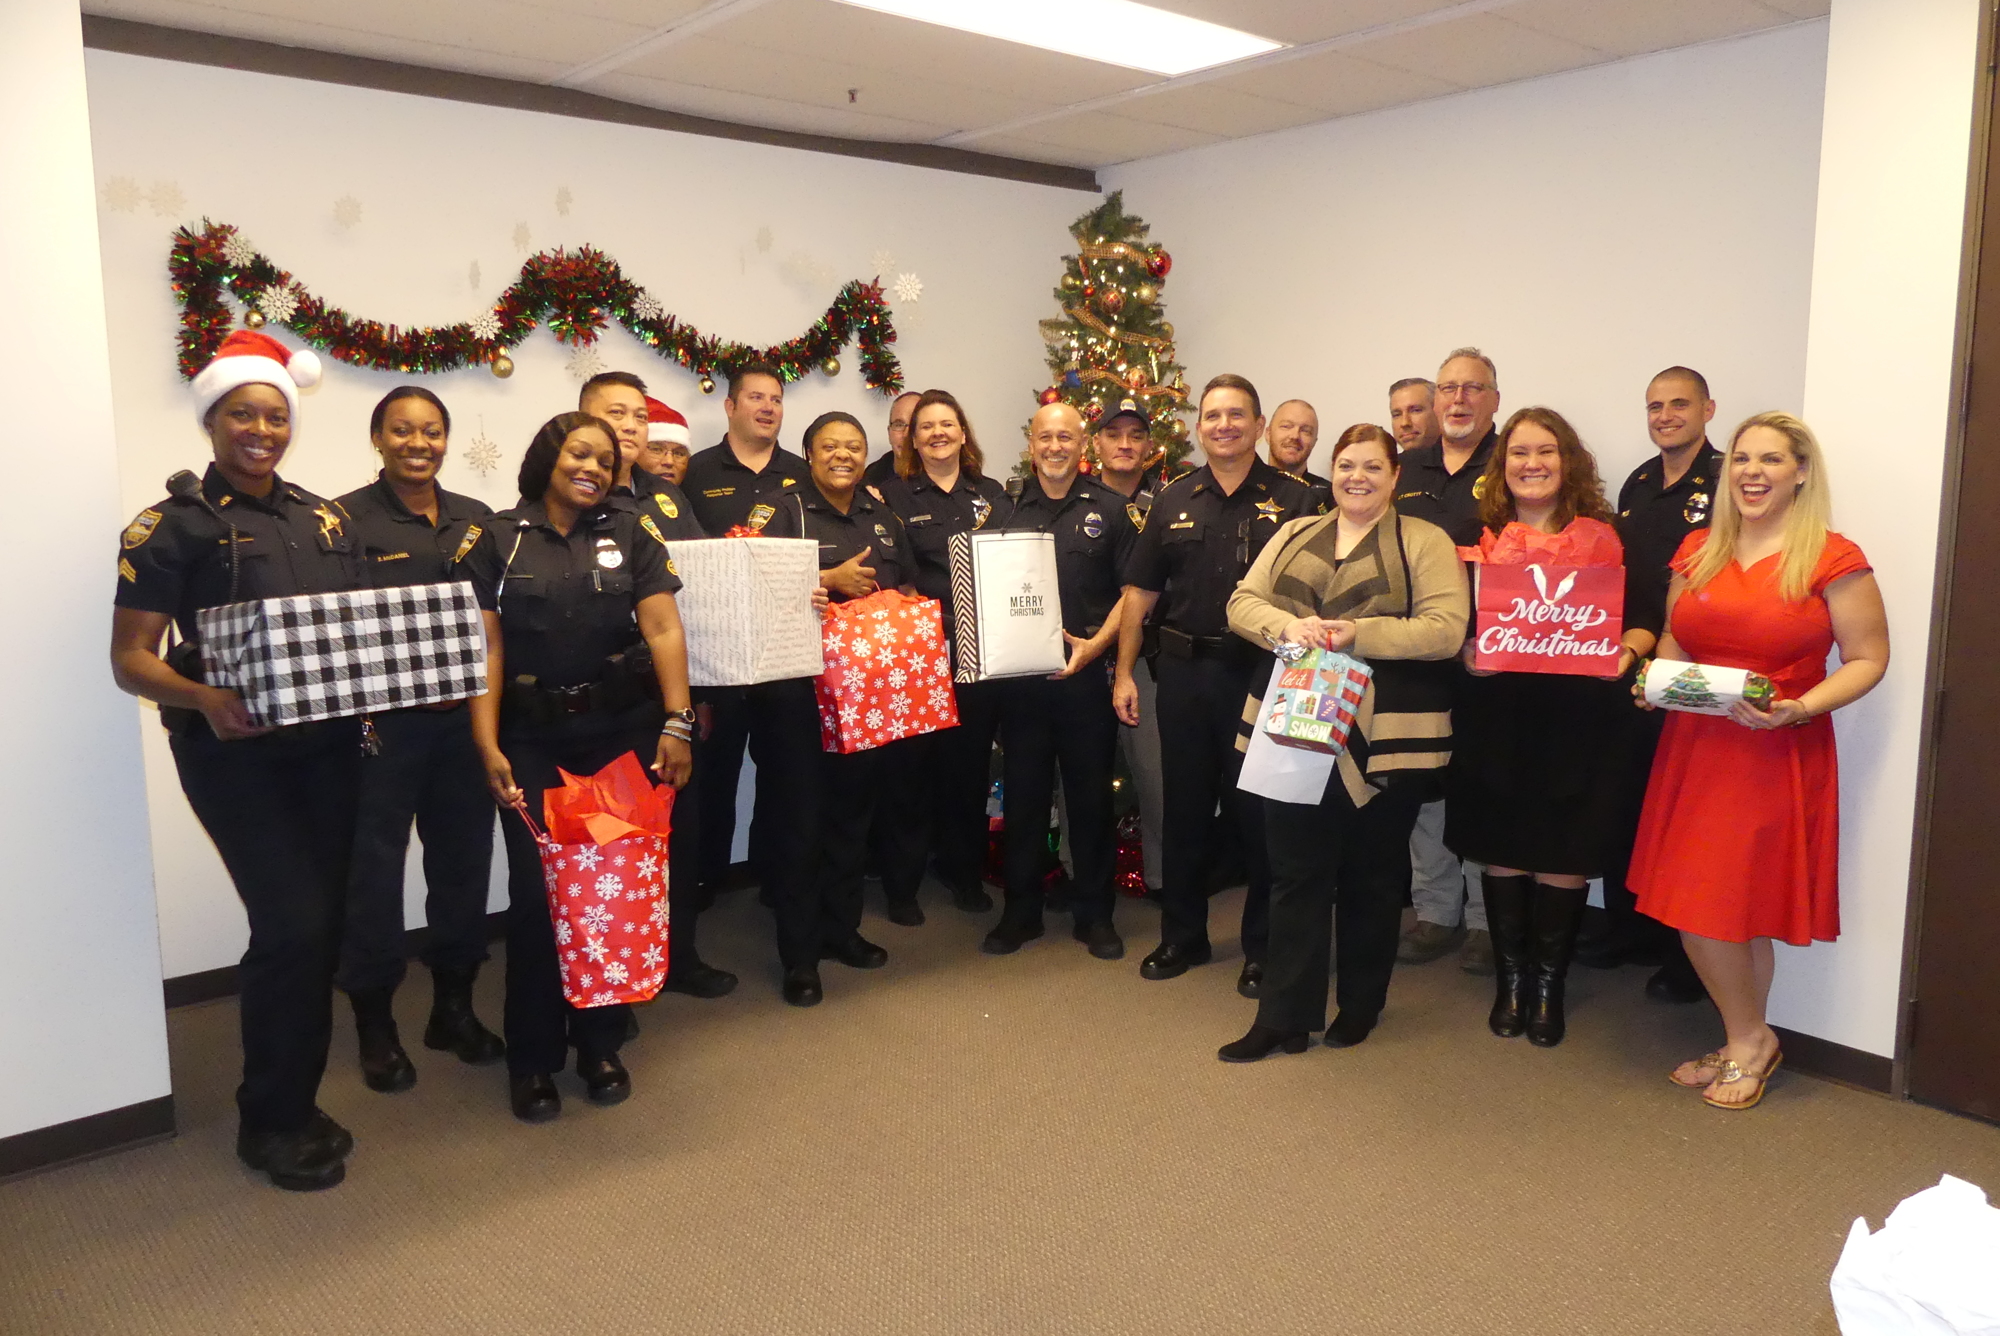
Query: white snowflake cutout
{"type": "Point", "coordinates": [346, 211]}
{"type": "Point", "coordinates": [648, 307]}
{"type": "Point", "coordinates": [909, 288]}
{"type": "Point", "coordinates": [522, 236]}
{"type": "Point", "coordinates": [485, 325]}
{"type": "Point", "coordinates": [122, 194]}
{"type": "Point", "coordinates": [279, 302]}
{"type": "Point", "coordinates": [585, 362]}
{"type": "Point", "coordinates": [484, 453]}
{"type": "Point", "coordinates": [167, 199]}
{"type": "Point", "coordinates": [563, 200]}
{"type": "Point", "coordinates": [238, 250]}
{"type": "Point", "coordinates": [882, 262]}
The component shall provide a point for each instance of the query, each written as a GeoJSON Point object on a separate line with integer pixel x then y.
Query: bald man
{"type": "Point", "coordinates": [1289, 442]}
{"type": "Point", "coordinates": [1065, 722]}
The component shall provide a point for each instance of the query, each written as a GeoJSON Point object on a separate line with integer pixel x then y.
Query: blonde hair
{"type": "Point", "coordinates": [1805, 524]}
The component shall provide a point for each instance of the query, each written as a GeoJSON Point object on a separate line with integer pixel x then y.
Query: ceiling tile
{"type": "Point", "coordinates": [1216, 110]}
{"type": "Point", "coordinates": [1034, 150]}
{"type": "Point", "coordinates": [1302, 21]}
{"type": "Point", "coordinates": [1336, 84]}
{"type": "Point", "coordinates": [1477, 51]}
{"type": "Point", "coordinates": [1803, 9]}
{"type": "Point", "coordinates": [651, 15]}
{"type": "Point", "coordinates": [761, 108]}
{"type": "Point", "coordinates": [1113, 138]}
{"type": "Point", "coordinates": [1634, 27]}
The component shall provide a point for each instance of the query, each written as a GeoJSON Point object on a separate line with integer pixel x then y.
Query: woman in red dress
{"type": "Point", "coordinates": [1740, 841]}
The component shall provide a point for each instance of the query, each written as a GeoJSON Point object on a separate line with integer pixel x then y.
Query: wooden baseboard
{"type": "Point", "coordinates": [1837, 1062]}
{"type": "Point", "coordinates": [86, 1138]}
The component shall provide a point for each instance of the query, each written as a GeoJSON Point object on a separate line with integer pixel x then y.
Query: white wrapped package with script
{"type": "Point", "coordinates": [1006, 609]}
{"type": "Point", "coordinates": [746, 609]}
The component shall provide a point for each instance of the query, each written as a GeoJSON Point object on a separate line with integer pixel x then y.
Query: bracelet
{"type": "Point", "coordinates": [678, 731]}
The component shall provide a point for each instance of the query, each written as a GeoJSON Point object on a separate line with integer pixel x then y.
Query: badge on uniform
{"type": "Point", "coordinates": [608, 556]}
{"type": "Point", "coordinates": [1269, 509]}
{"type": "Point", "coordinates": [1093, 525]}
{"type": "Point", "coordinates": [982, 510]}
{"type": "Point", "coordinates": [472, 533]}
{"type": "Point", "coordinates": [1479, 488]}
{"type": "Point", "coordinates": [330, 526]}
{"type": "Point", "coordinates": [1136, 515]}
{"type": "Point", "coordinates": [882, 533]}
{"type": "Point", "coordinates": [1696, 509]}
{"type": "Point", "coordinates": [646, 523]}
{"type": "Point", "coordinates": [140, 529]}
{"type": "Point", "coordinates": [760, 515]}
{"type": "Point", "coordinates": [666, 504]}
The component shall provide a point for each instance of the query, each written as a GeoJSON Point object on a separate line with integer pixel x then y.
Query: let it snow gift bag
{"type": "Point", "coordinates": [1703, 688]}
{"type": "Point", "coordinates": [604, 861]}
{"type": "Point", "coordinates": [887, 674]}
{"type": "Point", "coordinates": [1313, 698]}
{"type": "Point", "coordinates": [1005, 606]}
{"type": "Point", "coordinates": [746, 608]}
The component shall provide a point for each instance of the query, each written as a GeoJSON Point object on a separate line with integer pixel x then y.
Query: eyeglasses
{"type": "Point", "coordinates": [1455, 389]}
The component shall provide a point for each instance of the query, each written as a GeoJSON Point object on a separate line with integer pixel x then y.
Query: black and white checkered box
{"type": "Point", "coordinates": [321, 656]}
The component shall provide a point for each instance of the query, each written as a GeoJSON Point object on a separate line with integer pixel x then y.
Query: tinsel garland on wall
{"type": "Point", "coordinates": [577, 294]}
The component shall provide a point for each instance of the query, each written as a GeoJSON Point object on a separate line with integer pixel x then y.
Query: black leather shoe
{"type": "Point", "coordinates": [1676, 983]}
{"type": "Point", "coordinates": [534, 1098]}
{"type": "Point", "coordinates": [1348, 1030]}
{"type": "Point", "coordinates": [453, 1027]}
{"type": "Point", "coordinates": [1262, 1042]}
{"type": "Point", "coordinates": [1008, 938]}
{"type": "Point", "coordinates": [857, 952]}
{"type": "Point", "coordinates": [295, 1161]}
{"type": "Point", "coordinates": [384, 1065]}
{"type": "Point", "coordinates": [1250, 982]}
{"type": "Point", "coordinates": [906, 913]}
{"type": "Point", "coordinates": [339, 1142]}
{"type": "Point", "coordinates": [972, 899]}
{"type": "Point", "coordinates": [802, 987]}
{"type": "Point", "coordinates": [1102, 939]}
{"type": "Point", "coordinates": [605, 1080]}
{"type": "Point", "coordinates": [697, 978]}
{"type": "Point", "coordinates": [1173, 960]}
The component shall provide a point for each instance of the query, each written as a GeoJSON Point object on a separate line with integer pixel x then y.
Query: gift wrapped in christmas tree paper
{"type": "Point", "coordinates": [1701, 688]}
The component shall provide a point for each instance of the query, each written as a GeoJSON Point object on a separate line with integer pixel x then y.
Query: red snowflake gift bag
{"type": "Point", "coordinates": [888, 675]}
{"type": "Point", "coordinates": [604, 859]}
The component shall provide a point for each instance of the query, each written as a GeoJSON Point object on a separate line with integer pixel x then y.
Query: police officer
{"type": "Point", "coordinates": [665, 453]}
{"type": "Point", "coordinates": [584, 650]}
{"type": "Point", "coordinates": [1662, 502]}
{"type": "Point", "coordinates": [861, 550]}
{"type": "Point", "coordinates": [1066, 720]}
{"type": "Point", "coordinates": [881, 470]}
{"type": "Point", "coordinates": [279, 803]}
{"type": "Point", "coordinates": [425, 768]}
{"type": "Point", "coordinates": [1203, 533]}
{"type": "Point", "coordinates": [739, 484]}
{"type": "Point", "coordinates": [942, 780]}
{"type": "Point", "coordinates": [1289, 442]}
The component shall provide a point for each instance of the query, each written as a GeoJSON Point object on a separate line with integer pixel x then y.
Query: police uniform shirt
{"type": "Point", "coordinates": [868, 523]}
{"type": "Point", "coordinates": [1652, 521]}
{"type": "Point", "coordinates": [726, 493]}
{"type": "Point", "coordinates": [1094, 540]}
{"type": "Point", "coordinates": [175, 556]}
{"type": "Point", "coordinates": [1199, 542]}
{"type": "Point", "coordinates": [931, 516]}
{"type": "Point", "coordinates": [880, 469]}
{"type": "Point", "coordinates": [1322, 488]}
{"type": "Point", "coordinates": [650, 494]}
{"type": "Point", "coordinates": [566, 602]}
{"type": "Point", "coordinates": [1427, 491]}
{"type": "Point", "coordinates": [403, 547]}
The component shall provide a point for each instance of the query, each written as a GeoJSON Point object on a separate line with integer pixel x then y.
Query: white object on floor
{"type": "Point", "coordinates": [1933, 1269]}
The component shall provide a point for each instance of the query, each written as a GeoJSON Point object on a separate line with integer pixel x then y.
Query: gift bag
{"type": "Point", "coordinates": [1702, 688]}
{"type": "Point", "coordinates": [1927, 1272]}
{"type": "Point", "coordinates": [1005, 607]}
{"type": "Point", "coordinates": [887, 674]}
{"type": "Point", "coordinates": [1548, 619]}
{"type": "Point", "coordinates": [604, 860]}
{"type": "Point", "coordinates": [746, 609]}
{"type": "Point", "coordinates": [1313, 699]}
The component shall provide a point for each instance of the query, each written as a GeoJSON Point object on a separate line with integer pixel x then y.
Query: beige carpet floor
{"type": "Point", "coordinates": [1041, 1143]}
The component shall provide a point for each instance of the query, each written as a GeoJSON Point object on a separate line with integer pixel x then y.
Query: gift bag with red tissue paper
{"type": "Point", "coordinates": [887, 676]}
{"type": "Point", "coordinates": [1539, 618]}
{"type": "Point", "coordinates": [604, 860]}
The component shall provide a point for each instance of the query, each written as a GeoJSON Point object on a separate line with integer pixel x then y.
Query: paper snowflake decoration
{"type": "Point", "coordinates": [238, 250]}
{"type": "Point", "coordinates": [763, 238]}
{"type": "Point", "coordinates": [472, 275]}
{"type": "Point", "coordinates": [883, 262]}
{"type": "Point", "coordinates": [278, 302]}
{"type": "Point", "coordinates": [585, 362]}
{"type": "Point", "coordinates": [909, 288]}
{"type": "Point", "coordinates": [563, 200]}
{"type": "Point", "coordinates": [347, 211]}
{"type": "Point", "coordinates": [522, 236]}
{"type": "Point", "coordinates": [483, 455]}
{"type": "Point", "coordinates": [648, 307]}
{"type": "Point", "coordinates": [167, 199]}
{"type": "Point", "coordinates": [122, 195]}
{"type": "Point", "coordinates": [484, 326]}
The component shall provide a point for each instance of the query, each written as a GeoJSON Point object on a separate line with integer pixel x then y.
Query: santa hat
{"type": "Point", "coordinates": [247, 357]}
{"type": "Point", "coordinates": [664, 424]}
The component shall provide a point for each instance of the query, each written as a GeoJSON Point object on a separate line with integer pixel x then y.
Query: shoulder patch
{"type": "Point", "coordinates": [666, 505]}
{"type": "Point", "coordinates": [1136, 515]}
{"type": "Point", "coordinates": [671, 570]}
{"type": "Point", "coordinates": [465, 544]}
{"type": "Point", "coordinates": [126, 571]}
{"type": "Point", "coordinates": [141, 528]}
{"type": "Point", "coordinates": [646, 523]}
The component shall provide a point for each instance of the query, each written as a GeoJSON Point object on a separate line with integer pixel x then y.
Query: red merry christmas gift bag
{"type": "Point", "coordinates": [887, 673]}
{"type": "Point", "coordinates": [1538, 618]}
{"type": "Point", "coordinates": [604, 859]}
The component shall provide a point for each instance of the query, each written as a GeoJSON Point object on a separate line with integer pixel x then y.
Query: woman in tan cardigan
{"type": "Point", "coordinates": [1390, 590]}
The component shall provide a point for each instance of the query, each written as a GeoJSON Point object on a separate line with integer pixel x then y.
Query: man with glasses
{"type": "Point", "coordinates": [899, 439]}
{"type": "Point", "coordinates": [1440, 483]}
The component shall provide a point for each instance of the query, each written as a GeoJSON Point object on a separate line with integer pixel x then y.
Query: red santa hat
{"type": "Point", "coordinates": [247, 357]}
{"type": "Point", "coordinates": [664, 424]}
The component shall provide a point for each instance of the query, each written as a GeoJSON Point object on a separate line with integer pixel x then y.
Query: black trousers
{"type": "Point", "coordinates": [1200, 705]}
{"type": "Point", "coordinates": [900, 827]}
{"type": "Point", "coordinates": [945, 781]}
{"type": "Point", "coordinates": [281, 810]}
{"type": "Point", "coordinates": [779, 721]}
{"type": "Point", "coordinates": [1339, 877]}
{"type": "Point", "coordinates": [850, 789]}
{"type": "Point", "coordinates": [428, 770]}
{"type": "Point", "coordinates": [540, 1024]}
{"type": "Point", "coordinates": [1064, 724]}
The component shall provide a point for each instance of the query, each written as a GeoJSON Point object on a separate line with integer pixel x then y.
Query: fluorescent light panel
{"type": "Point", "coordinates": [1116, 32]}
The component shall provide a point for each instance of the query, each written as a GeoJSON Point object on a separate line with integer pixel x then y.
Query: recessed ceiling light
{"type": "Point", "coordinates": [1116, 32]}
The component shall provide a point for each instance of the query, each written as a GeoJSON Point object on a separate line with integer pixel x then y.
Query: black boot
{"type": "Point", "coordinates": [384, 1064]}
{"type": "Point", "coordinates": [1558, 914]}
{"type": "Point", "coordinates": [1508, 901]}
{"type": "Point", "coordinates": [453, 1028]}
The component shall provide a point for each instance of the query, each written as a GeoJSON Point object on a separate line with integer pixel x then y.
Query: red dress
{"type": "Point", "coordinates": [1741, 832]}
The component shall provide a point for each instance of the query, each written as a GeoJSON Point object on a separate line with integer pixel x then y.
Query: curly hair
{"type": "Point", "coordinates": [1582, 492]}
{"type": "Point", "coordinates": [538, 465]}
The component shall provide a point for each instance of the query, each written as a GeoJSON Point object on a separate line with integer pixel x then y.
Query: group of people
{"type": "Point", "coordinates": [1174, 594]}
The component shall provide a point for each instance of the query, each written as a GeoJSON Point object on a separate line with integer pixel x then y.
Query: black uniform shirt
{"type": "Point", "coordinates": [725, 493]}
{"type": "Point", "coordinates": [1094, 539]}
{"type": "Point", "coordinates": [403, 547]}
{"type": "Point", "coordinates": [1449, 500]}
{"type": "Point", "coordinates": [1322, 488]}
{"type": "Point", "coordinates": [868, 523]}
{"type": "Point", "coordinates": [1652, 521]}
{"type": "Point", "coordinates": [175, 556]}
{"type": "Point", "coordinates": [880, 469]}
{"type": "Point", "coordinates": [931, 516]}
{"type": "Point", "coordinates": [650, 494]}
{"type": "Point", "coordinates": [1199, 542]}
{"type": "Point", "coordinates": [567, 604]}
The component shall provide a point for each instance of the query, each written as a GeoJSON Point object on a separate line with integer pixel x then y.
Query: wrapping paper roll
{"type": "Point", "coordinates": [1701, 688]}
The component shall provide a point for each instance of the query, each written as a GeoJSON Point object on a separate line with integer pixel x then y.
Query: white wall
{"type": "Point", "coordinates": [82, 1030]}
{"type": "Point", "coordinates": [744, 241]}
{"type": "Point", "coordinates": [1901, 87]}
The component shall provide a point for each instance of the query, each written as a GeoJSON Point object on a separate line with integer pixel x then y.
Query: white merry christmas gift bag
{"type": "Point", "coordinates": [1006, 606]}
{"type": "Point", "coordinates": [746, 609]}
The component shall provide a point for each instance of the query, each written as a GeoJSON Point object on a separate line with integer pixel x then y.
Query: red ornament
{"type": "Point", "coordinates": [1089, 290]}
{"type": "Point", "coordinates": [1051, 396]}
{"type": "Point", "coordinates": [1136, 377]}
{"type": "Point", "coordinates": [1159, 263]}
{"type": "Point", "coordinates": [1130, 874]}
{"type": "Point", "coordinates": [1112, 300]}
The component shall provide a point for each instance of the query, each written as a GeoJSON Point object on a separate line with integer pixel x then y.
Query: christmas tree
{"type": "Point", "coordinates": [1690, 690]}
{"type": "Point", "coordinates": [1112, 341]}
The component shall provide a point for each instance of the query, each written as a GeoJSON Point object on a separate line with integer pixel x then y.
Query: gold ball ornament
{"type": "Point", "coordinates": [1137, 378]}
{"type": "Point", "coordinates": [831, 366]}
{"type": "Point", "coordinates": [1177, 427]}
{"type": "Point", "coordinates": [253, 319]}
{"type": "Point", "coordinates": [502, 365]}
{"type": "Point", "coordinates": [708, 385]}
{"type": "Point", "coordinates": [1146, 293]}
{"type": "Point", "coordinates": [1070, 282]}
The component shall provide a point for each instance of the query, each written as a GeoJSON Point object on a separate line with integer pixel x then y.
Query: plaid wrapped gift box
{"type": "Point", "coordinates": [321, 656]}
{"type": "Point", "coordinates": [887, 675]}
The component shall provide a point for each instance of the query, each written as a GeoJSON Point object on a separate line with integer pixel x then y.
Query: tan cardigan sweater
{"type": "Point", "coordinates": [1435, 628]}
